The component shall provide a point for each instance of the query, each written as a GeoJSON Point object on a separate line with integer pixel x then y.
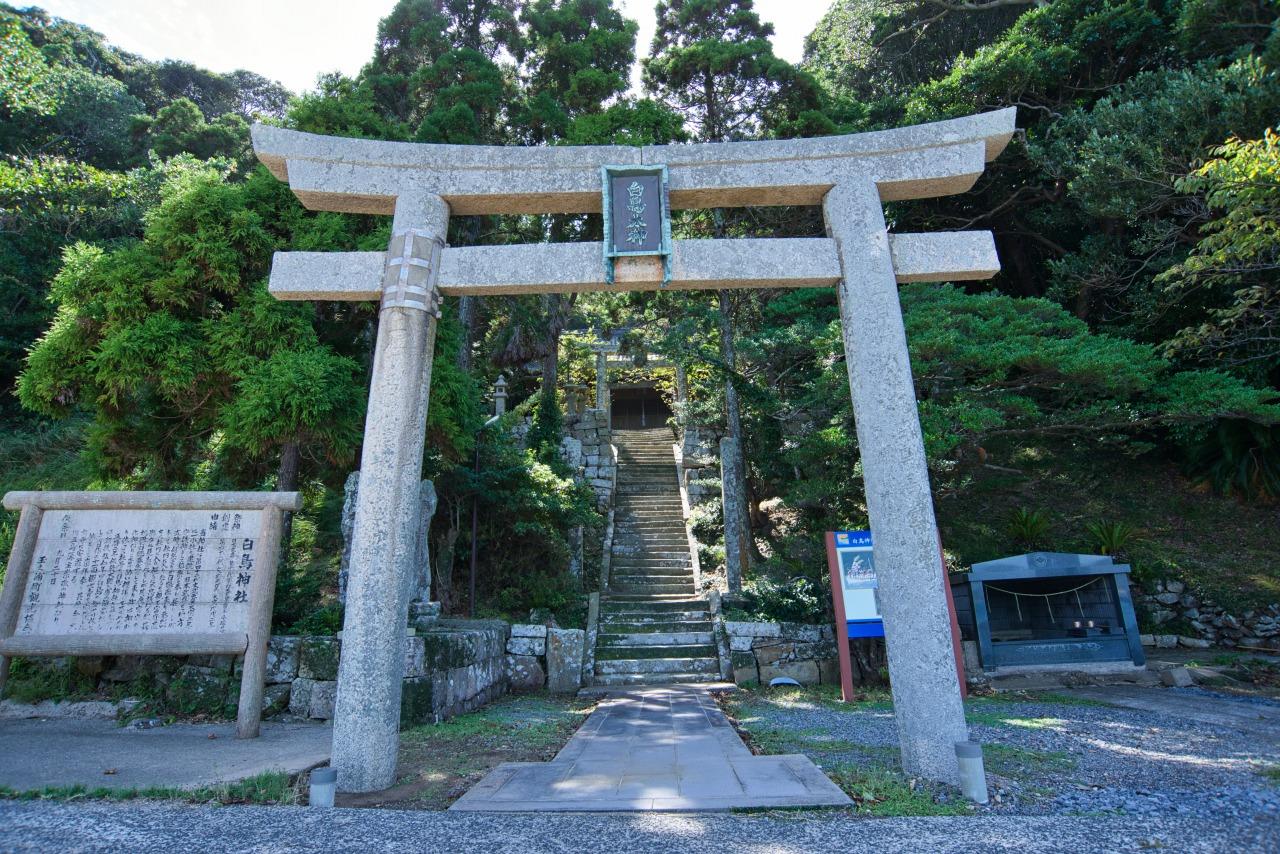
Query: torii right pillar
{"type": "Point", "coordinates": [917, 622]}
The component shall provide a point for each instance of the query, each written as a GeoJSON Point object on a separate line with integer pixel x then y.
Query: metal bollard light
{"type": "Point", "coordinates": [973, 777]}
{"type": "Point", "coordinates": [324, 784]}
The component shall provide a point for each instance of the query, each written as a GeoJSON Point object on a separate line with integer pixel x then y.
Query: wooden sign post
{"type": "Point", "coordinates": [869, 624]}
{"type": "Point", "coordinates": [145, 573]}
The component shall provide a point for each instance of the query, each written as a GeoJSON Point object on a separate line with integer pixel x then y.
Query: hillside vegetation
{"type": "Point", "coordinates": [1121, 370]}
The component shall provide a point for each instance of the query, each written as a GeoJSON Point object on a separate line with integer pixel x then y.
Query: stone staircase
{"type": "Point", "coordinates": [653, 629]}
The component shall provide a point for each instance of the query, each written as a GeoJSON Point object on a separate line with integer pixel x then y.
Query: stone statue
{"type": "Point", "coordinates": [420, 580]}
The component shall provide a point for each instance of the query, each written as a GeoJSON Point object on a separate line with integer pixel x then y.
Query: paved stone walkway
{"type": "Point", "coordinates": [656, 748]}
{"type": "Point", "coordinates": [39, 753]}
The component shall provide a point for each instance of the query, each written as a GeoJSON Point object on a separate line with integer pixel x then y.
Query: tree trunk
{"type": "Point", "coordinates": [733, 413]}
{"type": "Point", "coordinates": [466, 319]}
{"type": "Point", "coordinates": [443, 576]}
{"type": "Point", "coordinates": [551, 362]}
{"type": "Point", "coordinates": [711, 130]}
{"type": "Point", "coordinates": [287, 481]}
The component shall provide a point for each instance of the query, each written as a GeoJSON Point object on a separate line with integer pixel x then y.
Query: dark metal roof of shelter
{"type": "Point", "coordinates": [1045, 565]}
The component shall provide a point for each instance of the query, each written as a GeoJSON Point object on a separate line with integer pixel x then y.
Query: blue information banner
{"type": "Point", "coordinates": [858, 584]}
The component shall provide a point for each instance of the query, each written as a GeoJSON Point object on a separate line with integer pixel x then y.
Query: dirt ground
{"type": "Point", "coordinates": [439, 762]}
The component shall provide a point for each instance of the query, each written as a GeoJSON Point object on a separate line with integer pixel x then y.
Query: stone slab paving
{"type": "Point", "coordinates": [655, 748]}
{"type": "Point", "coordinates": [35, 754]}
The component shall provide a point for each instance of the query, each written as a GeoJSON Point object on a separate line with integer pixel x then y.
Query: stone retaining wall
{"type": "Point", "coordinates": [452, 667]}
{"type": "Point", "coordinates": [760, 652]}
{"type": "Point", "coordinates": [539, 656]}
{"type": "Point", "coordinates": [599, 467]}
{"type": "Point", "coordinates": [1169, 603]}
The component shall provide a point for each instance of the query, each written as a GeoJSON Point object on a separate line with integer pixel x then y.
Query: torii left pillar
{"type": "Point", "coordinates": [366, 721]}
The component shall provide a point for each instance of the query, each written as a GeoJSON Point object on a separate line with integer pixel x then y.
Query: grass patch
{"type": "Point", "coordinates": [1019, 763]}
{"type": "Point", "coordinates": [269, 787]}
{"type": "Point", "coordinates": [865, 772]}
{"type": "Point", "coordinates": [880, 791]}
{"type": "Point", "coordinates": [439, 762]}
{"type": "Point", "coordinates": [1000, 713]}
{"type": "Point", "coordinates": [873, 699]}
{"type": "Point", "coordinates": [31, 681]}
{"type": "Point", "coordinates": [1271, 772]}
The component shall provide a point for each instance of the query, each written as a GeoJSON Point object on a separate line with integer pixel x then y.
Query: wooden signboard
{"type": "Point", "coordinates": [145, 573]}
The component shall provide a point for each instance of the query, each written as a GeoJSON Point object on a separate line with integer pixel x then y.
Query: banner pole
{"type": "Point", "coordinates": [842, 622]}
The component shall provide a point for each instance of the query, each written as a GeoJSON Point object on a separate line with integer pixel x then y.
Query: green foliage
{"type": "Point", "coordinates": [1028, 528]}
{"type": "Point", "coordinates": [712, 62]}
{"type": "Point", "coordinates": [1239, 457]}
{"type": "Point", "coordinates": [181, 127]}
{"type": "Point", "coordinates": [795, 600]}
{"type": "Point", "coordinates": [526, 510]}
{"type": "Point", "coordinates": [548, 427]}
{"type": "Point", "coordinates": [864, 49]}
{"type": "Point", "coordinates": [24, 75]}
{"type": "Point", "coordinates": [269, 787]}
{"type": "Point", "coordinates": [988, 365]}
{"type": "Point", "coordinates": [36, 680]}
{"type": "Point", "coordinates": [1113, 537]}
{"type": "Point", "coordinates": [173, 343]}
{"type": "Point", "coordinates": [577, 57]}
{"type": "Point", "coordinates": [1235, 266]}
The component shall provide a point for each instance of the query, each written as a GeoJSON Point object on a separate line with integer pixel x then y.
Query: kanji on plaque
{"type": "Point", "coordinates": [140, 572]}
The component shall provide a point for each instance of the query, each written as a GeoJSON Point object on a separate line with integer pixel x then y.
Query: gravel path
{"type": "Point", "coordinates": [1053, 756]}
{"type": "Point", "coordinates": [140, 828]}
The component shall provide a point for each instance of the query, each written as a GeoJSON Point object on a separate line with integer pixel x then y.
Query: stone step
{"type": "Point", "coordinates": [624, 679]}
{"type": "Point", "coordinates": [657, 665]}
{"type": "Point", "coordinates": [667, 534]}
{"type": "Point", "coordinates": [649, 515]}
{"type": "Point", "coordinates": [644, 553]}
{"type": "Point", "coordinates": [626, 612]}
{"type": "Point", "coordinates": [614, 605]}
{"type": "Point", "coordinates": [639, 566]}
{"type": "Point", "coordinates": [660, 573]}
{"type": "Point", "coordinates": [652, 598]}
{"type": "Point", "coordinates": [658, 639]}
{"type": "Point", "coordinates": [648, 652]}
{"type": "Point", "coordinates": [697, 624]}
{"type": "Point", "coordinates": [645, 624]}
{"type": "Point", "coordinates": [652, 588]}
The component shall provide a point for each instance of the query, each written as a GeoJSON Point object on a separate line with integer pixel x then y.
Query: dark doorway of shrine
{"type": "Point", "coordinates": [636, 407]}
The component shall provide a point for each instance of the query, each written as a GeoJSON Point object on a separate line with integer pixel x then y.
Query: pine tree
{"type": "Point", "coordinates": [712, 61]}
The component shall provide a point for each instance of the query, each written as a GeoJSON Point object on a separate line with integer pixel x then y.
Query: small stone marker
{"type": "Point", "coordinates": [143, 573]}
{"type": "Point", "coordinates": [565, 648]}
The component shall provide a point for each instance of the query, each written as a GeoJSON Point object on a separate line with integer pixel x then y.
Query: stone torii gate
{"type": "Point", "coordinates": [421, 185]}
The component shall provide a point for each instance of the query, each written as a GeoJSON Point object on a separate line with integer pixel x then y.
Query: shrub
{"type": "Point", "coordinates": [1113, 538]}
{"type": "Point", "coordinates": [1028, 528]}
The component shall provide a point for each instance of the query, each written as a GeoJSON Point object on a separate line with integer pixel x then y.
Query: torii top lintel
{"type": "Point", "coordinates": [366, 176]}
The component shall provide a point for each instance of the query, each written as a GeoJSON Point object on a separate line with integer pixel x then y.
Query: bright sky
{"type": "Point", "coordinates": [294, 40]}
